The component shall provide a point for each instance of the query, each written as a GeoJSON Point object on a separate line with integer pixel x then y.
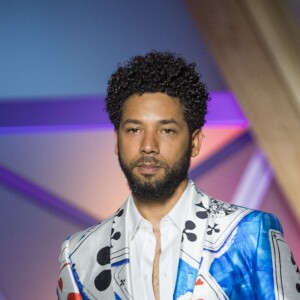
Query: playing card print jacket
{"type": "Point", "coordinates": [227, 252]}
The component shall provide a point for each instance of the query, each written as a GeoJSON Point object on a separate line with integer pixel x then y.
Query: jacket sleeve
{"type": "Point", "coordinates": [67, 288]}
{"type": "Point", "coordinates": [275, 259]}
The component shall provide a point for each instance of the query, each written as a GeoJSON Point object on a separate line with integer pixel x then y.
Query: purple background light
{"type": "Point", "coordinates": [90, 111]}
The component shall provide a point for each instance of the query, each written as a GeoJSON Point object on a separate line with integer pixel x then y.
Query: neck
{"type": "Point", "coordinates": [155, 211]}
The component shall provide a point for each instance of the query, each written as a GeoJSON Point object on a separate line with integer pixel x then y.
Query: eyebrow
{"type": "Point", "coordinates": [132, 121]}
{"type": "Point", "coordinates": [138, 122]}
{"type": "Point", "coordinates": [168, 121]}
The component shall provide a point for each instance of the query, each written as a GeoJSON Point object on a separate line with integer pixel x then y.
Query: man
{"type": "Point", "coordinates": [170, 240]}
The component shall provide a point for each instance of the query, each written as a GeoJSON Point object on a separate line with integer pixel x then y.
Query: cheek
{"type": "Point", "coordinates": [171, 153]}
{"type": "Point", "coordinates": [127, 150]}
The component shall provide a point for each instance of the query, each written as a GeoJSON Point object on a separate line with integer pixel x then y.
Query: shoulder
{"type": "Point", "coordinates": [85, 240]}
{"type": "Point", "coordinates": [217, 209]}
{"type": "Point", "coordinates": [264, 220]}
{"type": "Point", "coordinates": [85, 257]}
{"type": "Point", "coordinates": [249, 228]}
{"type": "Point", "coordinates": [227, 214]}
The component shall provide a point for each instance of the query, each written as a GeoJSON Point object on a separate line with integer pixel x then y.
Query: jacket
{"type": "Point", "coordinates": [227, 252]}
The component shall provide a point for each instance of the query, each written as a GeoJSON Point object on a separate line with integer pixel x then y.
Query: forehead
{"type": "Point", "coordinates": [153, 106]}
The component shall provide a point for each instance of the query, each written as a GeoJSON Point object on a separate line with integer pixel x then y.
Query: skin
{"type": "Point", "coordinates": [153, 125]}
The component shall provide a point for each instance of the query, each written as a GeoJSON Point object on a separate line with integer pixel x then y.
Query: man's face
{"type": "Point", "coordinates": [154, 146]}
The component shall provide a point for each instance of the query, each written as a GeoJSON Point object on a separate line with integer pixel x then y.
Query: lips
{"type": "Point", "coordinates": [148, 168]}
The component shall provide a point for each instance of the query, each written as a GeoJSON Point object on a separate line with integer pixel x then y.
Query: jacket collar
{"type": "Point", "coordinates": [193, 237]}
{"type": "Point", "coordinates": [177, 215]}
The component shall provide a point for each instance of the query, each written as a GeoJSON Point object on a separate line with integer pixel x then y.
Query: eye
{"type": "Point", "coordinates": [133, 130]}
{"type": "Point", "coordinates": [168, 130]}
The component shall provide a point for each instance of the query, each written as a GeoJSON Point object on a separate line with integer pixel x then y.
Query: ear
{"type": "Point", "coordinates": [197, 137]}
{"type": "Point", "coordinates": [116, 141]}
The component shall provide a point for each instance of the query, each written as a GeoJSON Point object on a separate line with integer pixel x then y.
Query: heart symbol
{"type": "Point", "coordinates": [60, 284]}
{"type": "Point", "coordinates": [74, 296]}
{"type": "Point", "coordinates": [199, 282]}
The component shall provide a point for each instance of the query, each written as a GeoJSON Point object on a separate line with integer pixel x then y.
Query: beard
{"type": "Point", "coordinates": [147, 189]}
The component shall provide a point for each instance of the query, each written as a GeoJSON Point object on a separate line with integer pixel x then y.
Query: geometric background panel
{"type": "Point", "coordinates": [57, 58]}
{"type": "Point", "coordinates": [77, 166]}
{"type": "Point", "coordinates": [215, 138]}
{"type": "Point", "coordinates": [30, 242]}
{"type": "Point", "coordinates": [80, 166]}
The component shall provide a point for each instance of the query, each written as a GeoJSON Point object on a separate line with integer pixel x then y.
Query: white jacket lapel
{"type": "Point", "coordinates": [195, 229]}
{"type": "Point", "coordinates": [119, 254]}
{"type": "Point", "coordinates": [193, 238]}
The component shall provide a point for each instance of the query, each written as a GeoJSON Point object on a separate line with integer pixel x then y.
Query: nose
{"type": "Point", "coordinates": [149, 143]}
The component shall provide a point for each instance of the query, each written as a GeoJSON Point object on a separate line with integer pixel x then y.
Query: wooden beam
{"type": "Point", "coordinates": [257, 51]}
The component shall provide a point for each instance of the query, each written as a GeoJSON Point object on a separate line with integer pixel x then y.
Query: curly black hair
{"type": "Point", "coordinates": [163, 72]}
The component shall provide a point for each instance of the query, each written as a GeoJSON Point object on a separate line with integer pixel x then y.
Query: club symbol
{"type": "Point", "coordinates": [189, 225]}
